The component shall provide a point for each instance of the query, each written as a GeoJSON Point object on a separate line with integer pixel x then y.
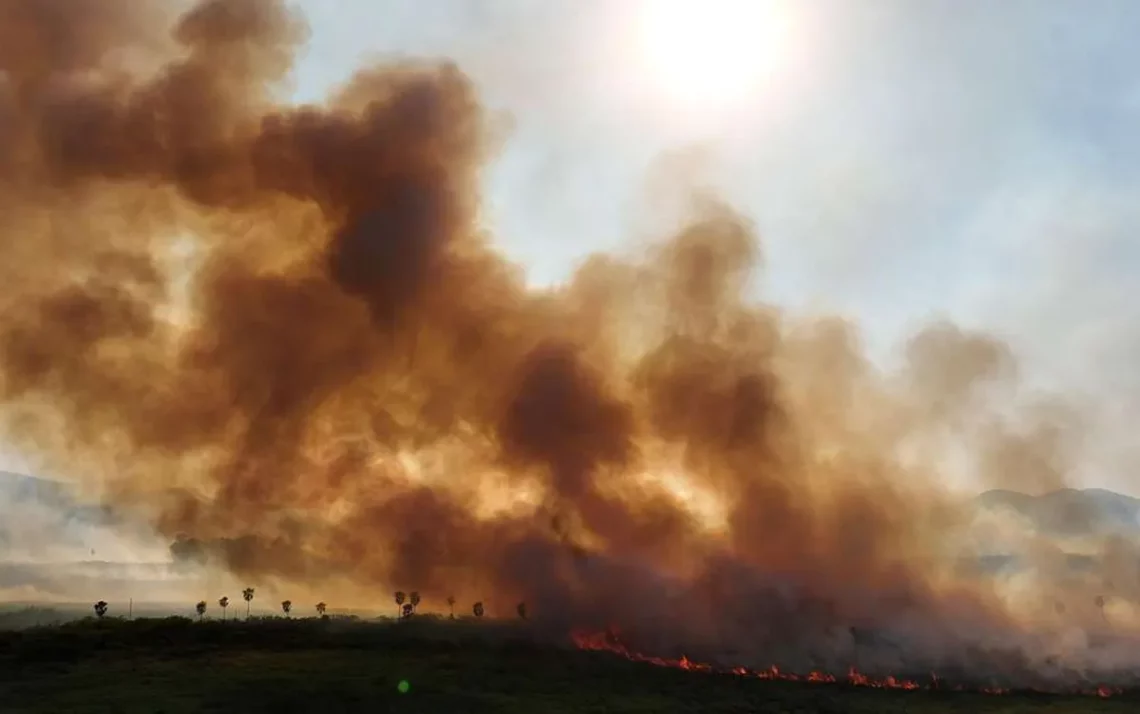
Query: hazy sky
{"type": "Point", "coordinates": [905, 159]}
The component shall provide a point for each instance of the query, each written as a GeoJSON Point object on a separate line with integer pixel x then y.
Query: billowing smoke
{"type": "Point", "coordinates": [282, 333]}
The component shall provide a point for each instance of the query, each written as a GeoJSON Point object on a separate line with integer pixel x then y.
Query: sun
{"type": "Point", "coordinates": [711, 51]}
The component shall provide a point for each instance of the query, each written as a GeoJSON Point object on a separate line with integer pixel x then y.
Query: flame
{"type": "Point", "coordinates": [609, 641]}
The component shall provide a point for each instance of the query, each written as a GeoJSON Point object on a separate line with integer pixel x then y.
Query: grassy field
{"type": "Point", "coordinates": [274, 665]}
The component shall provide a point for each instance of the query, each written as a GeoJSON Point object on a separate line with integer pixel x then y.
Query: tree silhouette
{"type": "Point", "coordinates": [223, 603]}
{"type": "Point", "coordinates": [100, 609]}
{"type": "Point", "coordinates": [478, 609]}
{"type": "Point", "coordinates": [451, 605]}
{"type": "Point", "coordinates": [200, 608]}
{"type": "Point", "coordinates": [247, 595]}
{"type": "Point", "coordinates": [400, 598]}
{"type": "Point", "coordinates": [407, 611]}
{"type": "Point", "coordinates": [321, 609]}
{"type": "Point", "coordinates": [286, 607]}
{"type": "Point", "coordinates": [521, 609]}
{"type": "Point", "coordinates": [414, 600]}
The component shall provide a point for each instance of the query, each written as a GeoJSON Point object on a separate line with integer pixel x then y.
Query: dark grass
{"type": "Point", "coordinates": [176, 665]}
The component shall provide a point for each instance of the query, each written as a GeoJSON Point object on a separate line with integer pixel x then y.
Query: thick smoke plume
{"type": "Point", "coordinates": [282, 333]}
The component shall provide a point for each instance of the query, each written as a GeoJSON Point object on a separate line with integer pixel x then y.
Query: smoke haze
{"type": "Point", "coordinates": [283, 335]}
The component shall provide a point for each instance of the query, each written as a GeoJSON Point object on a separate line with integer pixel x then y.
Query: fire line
{"type": "Point", "coordinates": [609, 642]}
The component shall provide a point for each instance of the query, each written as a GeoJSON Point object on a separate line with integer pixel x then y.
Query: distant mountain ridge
{"type": "Point", "coordinates": [1070, 512]}
{"type": "Point", "coordinates": [42, 510]}
{"type": "Point", "coordinates": [46, 524]}
{"type": "Point", "coordinates": [21, 487]}
{"type": "Point", "coordinates": [23, 490]}
{"type": "Point", "coordinates": [1063, 513]}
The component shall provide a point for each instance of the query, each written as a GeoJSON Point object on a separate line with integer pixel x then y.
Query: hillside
{"type": "Point", "coordinates": [21, 492]}
{"type": "Point", "coordinates": [30, 491]}
{"type": "Point", "coordinates": [54, 548]}
{"type": "Point", "coordinates": [1062, 513]}
{"type": "Point", "coordinates": [277, 665]}
{"type": "Point", "coordinates": [1070, 512]}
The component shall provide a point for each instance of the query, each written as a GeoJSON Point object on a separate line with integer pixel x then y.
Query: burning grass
{"type": "Point", "coordinates": [610, 641]}
{"type": "Point", "coordinates": [303, 665]}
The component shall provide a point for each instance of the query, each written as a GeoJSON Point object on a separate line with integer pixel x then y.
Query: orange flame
{"type": "Point", "coordinates": [608, 641]}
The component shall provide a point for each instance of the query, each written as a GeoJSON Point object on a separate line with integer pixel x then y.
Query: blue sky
{"type": "Point", "coordinates": [940, 156]}
{"type": "Point", "coordinates": [911, 159]}
{"type": "Point", "coordinates": [917, 158]}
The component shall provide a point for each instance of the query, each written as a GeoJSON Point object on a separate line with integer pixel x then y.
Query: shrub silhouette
{"type": "Point", "coordinates": [100, 609]}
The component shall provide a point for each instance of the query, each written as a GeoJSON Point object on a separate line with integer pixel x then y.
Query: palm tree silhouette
{"type": "Point", "coordinates": [247, 595]}
{"type": "Point", "coordinates": [286, 606]}
{"type": "Point", "coordinates": [414, 599]}
{"type": "Point", "coordinates": [400, 598]}
{"type": "Point", "coordinates": [201, 609]}
{"type": "Point", "coordinates": [478, 609]}
{"type": "Point", "coordinates": [321, 609]}
{"type": "Point", "coordinates": [451, 605]}
{"type": "Point", "coordinates": [100, 609]}
{"type": "Point", "coordinates": [521, 608]}
{"type": "Point", "coordinates": [224, 603]}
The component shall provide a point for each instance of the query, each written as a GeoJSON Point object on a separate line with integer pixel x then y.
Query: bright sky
{"type": "Point", "coordinates": [904, 158]}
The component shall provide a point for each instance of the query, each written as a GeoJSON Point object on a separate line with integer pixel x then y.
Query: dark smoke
{"type": "Point", "coordinates": [283, 333]}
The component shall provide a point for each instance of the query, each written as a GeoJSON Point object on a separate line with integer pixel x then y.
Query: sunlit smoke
{"type": "Point", "coordinates": [282, 335]}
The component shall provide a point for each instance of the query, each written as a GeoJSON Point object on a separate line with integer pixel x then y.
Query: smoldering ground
{"type": "Point", "coordinates": [283, 333]}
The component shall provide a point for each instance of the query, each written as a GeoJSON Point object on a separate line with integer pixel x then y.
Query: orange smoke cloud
{"type": "Point", "coordinates": [283, 333]}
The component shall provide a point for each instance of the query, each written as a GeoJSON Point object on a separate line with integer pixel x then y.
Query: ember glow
{"type": "Point", "coordinates": [609, 641]}
{"type": "Point", "coordinates": [283, 335]}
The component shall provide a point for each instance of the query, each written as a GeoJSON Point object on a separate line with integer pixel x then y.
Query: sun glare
{"type": "Point", "coordinates": [711, 51]}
